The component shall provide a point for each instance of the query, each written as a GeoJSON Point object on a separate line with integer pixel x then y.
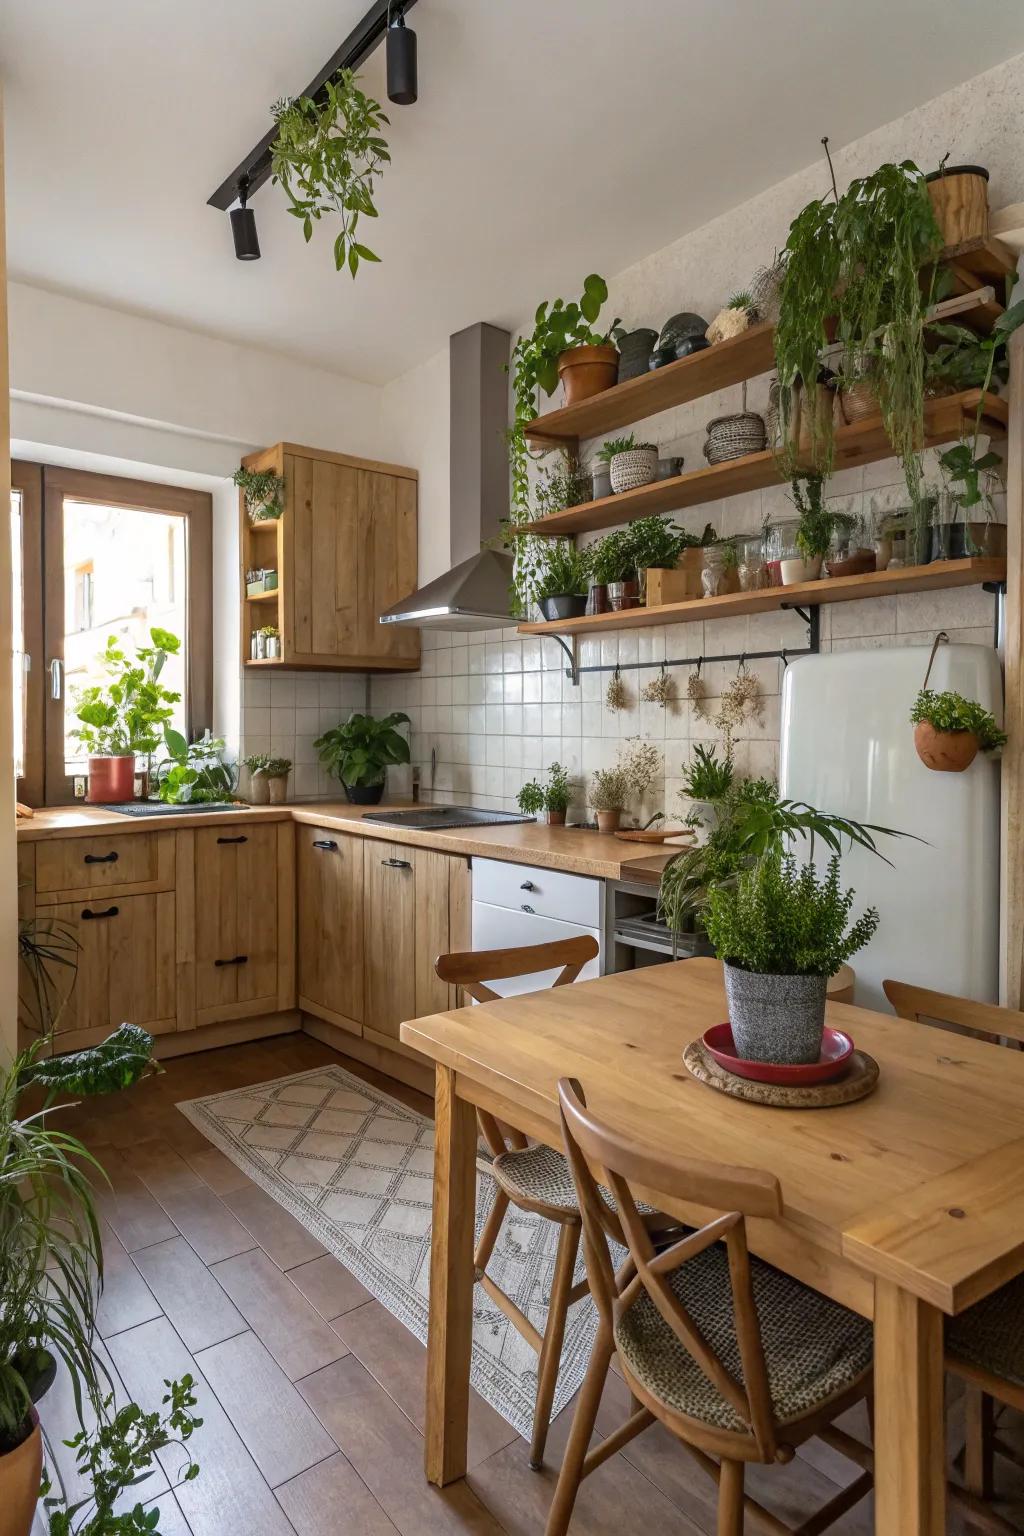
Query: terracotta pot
{"type": "Point", "coordinates": [111, 780]}
{"type": "Point", "coordinates": [608, 821]}
{"type": "Point", "coordinates": [278, 789]}
{"type": "Point", "coordinates": [20, 1473]}
{"type": "Point", "coordinates": [945, 751]}
{"type": "Point", "coordinates": [259, 789]}
{"type": "Point", "coordinates": [587, 371]}
{"type": "Point", "coordinates": [959, 198]}
{"type": "Point", "coordinates": [857, 563]}
{"type": "Point", "coordinates": [555, 818]}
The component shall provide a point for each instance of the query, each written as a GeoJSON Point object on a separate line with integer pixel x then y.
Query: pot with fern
{"type": "Point", "coordinates": [360, 751]}
{"type": "Point", "coordinates": [561, 588]}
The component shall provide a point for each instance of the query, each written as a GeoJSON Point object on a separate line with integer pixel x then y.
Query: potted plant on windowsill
{"type": "Point", "coordinates": [360, 751]}
{"type": "Point", "coordinates": [607, 797]}
{"type": "Point", "coordinates": [276, 773]}
{"type": "Point", "coordinates": [255, 765]}
{"type": "Point", "coordinates": [781, 931]}
{"type": "Point", "coordinates": [124, 717]}
{"type": "Point", "coordinates": [950, 731]}
{"type": "Point", "coordinates": [263, 491]}
{"type": "Point", "coordinates": [561, 589]}
{"type": "Point", "coordinates": [551, 798]}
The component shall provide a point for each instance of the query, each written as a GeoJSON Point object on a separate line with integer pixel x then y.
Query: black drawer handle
{"type": "Point", "coordinates": [525, 908]}
{"type": "Point", "coordinates": [235, 960]}
{"type": "Point", "coordinates": [397, 863]}
{"type": "Point", "coordinates": [240, 839]}
{"type": "Point", "coordinates": [101, 858]}
{"type": "Point", "coordinates": [326, 844]}
{"type": "Point", "coordinates": [527, 885]}
{"type": "Point", "coordinates": [88, 913]}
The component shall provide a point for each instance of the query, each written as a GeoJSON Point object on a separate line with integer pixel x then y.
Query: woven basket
{"type": "Point", "coordinates": [633, 468]}
{"type": "Point", "coordinates": [732, 437]}
{"type": "Point", "coordinates": [858, 401]}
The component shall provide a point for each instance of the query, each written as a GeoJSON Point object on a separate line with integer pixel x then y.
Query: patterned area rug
{"type": "Point", "coordinates": [356, 1168]}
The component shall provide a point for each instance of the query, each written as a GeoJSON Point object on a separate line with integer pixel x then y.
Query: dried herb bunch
{"type": "Point", "coordinates": [616, 695]}
{"type": "Point", "coordinates": [660, 690]}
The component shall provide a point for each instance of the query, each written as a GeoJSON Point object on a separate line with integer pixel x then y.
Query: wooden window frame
{"type": "Point", "coordinates": [196, 508]}
{"type": "Point", "coordinates": [27, 480]}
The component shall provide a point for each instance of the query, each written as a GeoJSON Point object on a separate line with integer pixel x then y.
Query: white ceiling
{"type": "Point", "coordinates": [551, 138]}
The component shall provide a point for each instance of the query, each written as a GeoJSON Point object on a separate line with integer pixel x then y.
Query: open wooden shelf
{"type": "Point", "coordinates": [807, 594]}
{"type": "Point", "coordinates": [862, 443]}
{"type": "Point", "coordinates": [263, 597]}
{"type": "Point", "coordinates": [976, 262]}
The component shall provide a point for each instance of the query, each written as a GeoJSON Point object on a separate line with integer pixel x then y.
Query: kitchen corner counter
{"type": "Point", "coordinates": [572, 849]}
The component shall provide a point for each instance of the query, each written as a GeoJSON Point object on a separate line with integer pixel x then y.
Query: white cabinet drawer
{"type": "Point", "coordinates": [548, 892]}
{"type": "Point", "coordinates": [500, 928]}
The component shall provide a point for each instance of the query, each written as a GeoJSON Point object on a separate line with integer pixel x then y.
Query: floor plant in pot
{"type": "Point", "coordinates": [360, 751]}
{"type": "Point", "coordinates": [781, 931]}
{"type": "Point", "coordinates": [950, 731]}
{"type": "Point", "coordinates": [561, 589]}
{"type": "Point", "coordinates": [124, 716]}
{"type": "Point", "coordinates": [551, 798]}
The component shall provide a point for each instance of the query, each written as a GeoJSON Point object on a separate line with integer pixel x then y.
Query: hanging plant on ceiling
{"type": "Point", "coordinates": [853, 265]}
{"type": "Point", "coordinates": [326, 156]}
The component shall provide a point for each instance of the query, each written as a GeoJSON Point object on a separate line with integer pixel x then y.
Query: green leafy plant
{"type": "Point", "coordinates": [118, 1454]}
{"type": "Point", "coordinates": [278, 767]}
{"type": "Point", "coordinates": [269, 630]}
{"type": "Point", "coordinates": [120, 1061]}
{"type": "Point", "coordinates": [48, 961]}
{"type": "Point", "coordinates": [263, 491]}
{"type": "Point", "coordinates": [615, 445]}
{"type": "Point", "coordinates": [708, 776]}
{"type": "Point", "coordinates": [952, 712]}
{"type": "Point", "coordinates": [560, 486]}
{"type": "Point", "coordinates": [655, 541]}
{"type": "Point", "coordinates": [552, 796]}
{"type": "Point", "coordinates": [817, 522]}
{"type": "Point", "coordinates": [326, 157]}
{"type": "Point", "coordinates": [256, 762]}
{"type": "Point", "coordinates": [741, 300]}
{"type": "Point", "coordinates": [730, 555]}
{"type": "Point", "coordinates": [780, 918]}
{"type": "Point", "coordinates": [611, 558]}
{"type": "Point", "coordinates": [608, 789]}
{"type": "Point", "coordinates": [194, 771]}
{"type": "Point", "coordinates": [856, 259]}
{"type": "Point", "coordinates": [361, 750]}
{"type": "Point", "coordinates": [566, 570]}
{"type": "Point", "coordinates": [963, 464]}
{"type": "Point", "coordinates": [125, 715]}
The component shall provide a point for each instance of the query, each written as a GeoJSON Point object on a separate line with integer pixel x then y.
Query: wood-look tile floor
{"type": "Point", "coordinates": [311, 1393]}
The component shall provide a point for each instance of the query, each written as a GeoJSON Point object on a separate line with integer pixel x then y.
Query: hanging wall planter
{"type": "Point", "coordinates": [949, 730]}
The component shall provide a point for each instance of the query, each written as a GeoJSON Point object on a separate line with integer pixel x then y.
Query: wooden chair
{"type": "Point", "coordinates": [985, 1344]}
{"type": "Point", "coordinates": [535, 1179]}
{"type": "Point", "coordinates": [741, 1362]}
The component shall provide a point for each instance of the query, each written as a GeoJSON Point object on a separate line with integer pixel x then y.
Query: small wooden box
{"type": "Point", "coordinates": [678, 585]}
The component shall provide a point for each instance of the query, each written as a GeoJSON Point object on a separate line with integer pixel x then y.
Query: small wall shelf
{"type": "Point", "coordinates": [263, 597]}
{"type": "Point", "coordinates": [841, 589]}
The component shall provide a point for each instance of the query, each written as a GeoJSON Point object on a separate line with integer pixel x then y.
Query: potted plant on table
{"type": "Point", "coordinates": [561, 588]}
{"type": "Point", "coordinates": [360, 751]}
{"type": "Point", "coordinates": [552, 798]}
{"type": "Point", "coordinates": [124, 716]}
{"type": "Point", "coordinates": [276, 773]}
{"type": "Point", "coordinates": [607, 796]}
{"type": "Point", "coordinates": [781, 931]}
{"type": "Point", "coordinates": [950, 731]}
{"type": "Point", "coordinates": [263, 491]}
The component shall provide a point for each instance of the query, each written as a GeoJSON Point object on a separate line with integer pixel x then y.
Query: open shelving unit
{"type": "Point", "coordinates": [262, 548]}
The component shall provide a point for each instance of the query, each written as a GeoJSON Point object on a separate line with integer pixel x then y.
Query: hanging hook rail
{"type": "Point", "coordinates": [785, 654]}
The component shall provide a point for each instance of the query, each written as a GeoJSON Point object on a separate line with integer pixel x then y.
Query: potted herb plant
{"type": "Point", "coordinates": [551, 798]}
{"type": "Point", "coordinates": [611, 565]}
{"type": "Point", "coordinates": [654, 543]}
{"type": "Point", "coordinates": [194, 772]}
{"type": "Point", "coordinates": [124, 716]}
{"type": "Point", "coordinates": [360, 751]}
{"type": "Point", "coordinates": [607, 797]}
{"type": "Point", "coordinates": [634, 466]}
{"type": "Point", "coordinates": [950, 731]}
{"type": "Point", "coordinates": [813, 533]}
{"type": "Point", "coordinates": [263, 491]}
{"type": "Point", "coordinates": [561, 589]}
{"type": "Point", "coordinates": [276, 773]}
{"type": "Point", "coordinates": [781, 931]}
{"type": "Point", "coordinates": [603, 458]}
{"type": "Point", "coordinates": [255, 765]}
{"type": "Point", "coordinates": [707, 780]}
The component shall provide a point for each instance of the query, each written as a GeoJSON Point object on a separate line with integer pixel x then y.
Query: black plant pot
{"type": "Point", "coordinates": [567, 605]}
{"type": "Point", "coordinates": [363, 794]}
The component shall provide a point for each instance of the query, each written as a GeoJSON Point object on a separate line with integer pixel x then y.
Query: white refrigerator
{"type": "Point", "coordinates": [848, 746]}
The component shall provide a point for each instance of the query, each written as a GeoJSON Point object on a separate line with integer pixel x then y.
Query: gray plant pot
{"type": "Point", "coordinates": [775, 1018]}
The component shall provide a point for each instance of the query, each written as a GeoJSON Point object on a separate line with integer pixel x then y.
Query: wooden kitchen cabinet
{"type": "Point", "coordinates": [126, 966]}
{"type": "Point", "coordinates": [243, 920]}
{"type": "Point", "coordinates": [329, 880]}
{"type": "Point", "coordinates": [344, 549]}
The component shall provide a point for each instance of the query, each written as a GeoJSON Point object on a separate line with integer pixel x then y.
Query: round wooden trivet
{"type": "Point", "coordinates": [859, 1079]}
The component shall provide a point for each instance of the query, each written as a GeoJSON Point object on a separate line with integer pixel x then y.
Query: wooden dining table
{"type": "Point", "coordinates": [907, 1206]}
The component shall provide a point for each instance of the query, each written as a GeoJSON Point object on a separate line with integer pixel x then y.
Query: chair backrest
{"type": "Point", "coordinates": [983, 1019]}
{"type": "Point", "coordinates": [472, 968]}
{"type": "Point", "coordinates": [622, 1164]}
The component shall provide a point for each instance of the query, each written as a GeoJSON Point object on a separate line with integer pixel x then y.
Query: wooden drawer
{"type": "Point", "coordinates": [126, 966]}
{"type": "Point", "coordinates": [125, 864]}
{"type": "Point", "coordinates": [548, 892]}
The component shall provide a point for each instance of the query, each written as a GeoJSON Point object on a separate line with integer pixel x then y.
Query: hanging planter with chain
{"type": "Point", "coordinates": [949, 730]}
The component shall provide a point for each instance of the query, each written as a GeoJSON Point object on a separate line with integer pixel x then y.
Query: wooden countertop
{"type": "Point", "coordinates": [573, 849]}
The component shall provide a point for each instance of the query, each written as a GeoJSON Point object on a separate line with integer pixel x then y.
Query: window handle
{"type": "Point", "coordinates": [326, 844]}
{"type": "Point", "coordinates": [241, 839]}
{"type": "Point", "coordinates": [100, 858]}
{"type": "Point", "coordinates": [56, 678]}
{"type": "Point", "coordinates": [88, 913]}
{"type": "Point", "coordinates": [235, 960]}
{"type": "Point", "coordinates": [396, 863]}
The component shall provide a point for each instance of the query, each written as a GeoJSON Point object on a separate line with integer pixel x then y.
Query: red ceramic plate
{"type": "Point", "coordinates": [836, 1050]}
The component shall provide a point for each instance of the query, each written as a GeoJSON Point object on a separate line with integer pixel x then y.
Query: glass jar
{"type": "Point", "coordinates": [752, 570]}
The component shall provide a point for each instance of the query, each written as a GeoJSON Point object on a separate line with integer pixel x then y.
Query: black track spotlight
{"type": "Point", "coordinates": [243, 226]}
{"type": "Point", "coordinates": [401, 50]}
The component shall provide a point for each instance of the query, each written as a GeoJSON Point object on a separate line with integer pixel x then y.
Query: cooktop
{"type": "Point", "coordinates": [439, 818]}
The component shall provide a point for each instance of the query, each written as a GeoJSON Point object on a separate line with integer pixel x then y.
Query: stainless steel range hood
{"type": "Point", "coordinates": [475, 592]}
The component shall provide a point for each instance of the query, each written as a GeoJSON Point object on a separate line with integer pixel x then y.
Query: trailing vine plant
{"type": "Point", "coordinates": [856, 260]}
{"type": "Point", "coordinates": [326, 156]}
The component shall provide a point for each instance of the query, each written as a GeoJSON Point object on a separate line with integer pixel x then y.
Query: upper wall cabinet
{"type": "Point", "coordinates": [343, 549]}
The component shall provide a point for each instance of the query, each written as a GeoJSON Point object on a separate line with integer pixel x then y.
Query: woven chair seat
{"type": "Point", "coordinates": [990, 1334]}
{"type": "Point", "coordinates": [543, 1176]}
{"type": "Point", "coordinates": [814, 1348]}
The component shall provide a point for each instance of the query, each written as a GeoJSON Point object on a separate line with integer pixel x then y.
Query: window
{"type": "Point", "coordinates": [117, 557]}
